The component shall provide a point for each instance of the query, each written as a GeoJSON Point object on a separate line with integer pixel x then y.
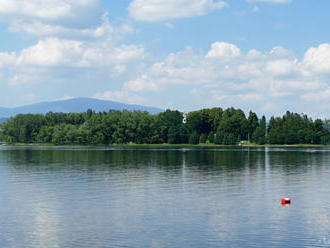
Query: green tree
{"type": "Point", "coordinates": [259, 135]}
{"type": "Point", "coordinates": [203, 138]}
{"type": "Point", "coordinates": [211, 137]}
{"type": "Point", "coordinates": [194, 138]}
{"type": "Point", "coordinates": [253, 124]}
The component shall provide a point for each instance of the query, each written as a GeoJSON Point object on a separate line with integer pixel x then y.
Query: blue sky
{"type": "Point", "coordinates": [266, 55]}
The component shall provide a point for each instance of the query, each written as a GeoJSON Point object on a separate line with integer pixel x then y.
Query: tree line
{"type": "Point", "coordinates": [213, 126]}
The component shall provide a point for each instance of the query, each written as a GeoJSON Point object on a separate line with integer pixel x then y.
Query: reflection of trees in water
{"type": "Point", "coordinates": [225, 160]}
{"type": "Point", "coordinates": [54, 159]}
{"type": "Point", "coordinates": [48, 158]}
{"type": "Point", "coordinates": [167, 160]}
{"type": "Point", "coordinates": [296, 161]}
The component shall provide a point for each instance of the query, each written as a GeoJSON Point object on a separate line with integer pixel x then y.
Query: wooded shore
{"type": "Point", "coordinates": [203, 127]}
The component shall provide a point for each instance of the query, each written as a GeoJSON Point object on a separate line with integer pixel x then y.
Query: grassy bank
{"type": "Point", "coordinates": [247, 143]}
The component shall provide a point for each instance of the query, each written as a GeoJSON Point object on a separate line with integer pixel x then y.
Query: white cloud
{"type": "Point", "coordinates": [280, 52]}
{"type": "Point", "coordinates": [75, 46]}
{"type": "Point", "coordinates": [121, 96]}
{"type": "Point", "coordinates": [281, 67]}
{"type": "Point", "coordinates": [255, 54]}
{"type": "Point", "coordinates": [223, 49]}
{"type": "Point", "coordinates": [126, 53]}
{"type": "Point", "coordinates": [37, 8]}
{"type": "Point", "coordinates": [51, 58]}
{"type": "Point", "coordinates": [23, 78]}
{"type": "Point", "coordinates": [39, 28]}
{"type": "Point", "coordinates": [223, 76]}
{"type": "Point", "coordinates": [161, 10]}
{"type": "Point", "coordinates": [61, 18]}
{"type": "Point", "coordinates": [184, 67]}
{"type": "Point", "coordinates": [54, 52]}
{"type": "Point", "coordinates": [250, 97]}
{"type": "Point", "coordinates": [44, 9]}
{"type": "Point", "coordinates": [295, 85]}
{"type": "Point", "coordinates": [43, 29]}
{"type": "Point", "coordinates": [141, 84]}
{"type": "Point", "coordinates": [219, 95]}
{"type": "Point", "coordinates": [318, 96]}
{"type": "Point", "coordinates": [269, 1]}
{"type": "Point", "coordinates": [7, 59]}
{"type": "Point", "coordinates": [51, 52]}
{"type": "Point", "coordinates": [276, 79]}
{"type": "Point", "coordinates": [250, 69]}
{"type": "Point", "coordinates": [317, 59]}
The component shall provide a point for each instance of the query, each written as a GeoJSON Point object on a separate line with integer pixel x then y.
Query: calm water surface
{"type": "Point", "coordinates": [157, 197]}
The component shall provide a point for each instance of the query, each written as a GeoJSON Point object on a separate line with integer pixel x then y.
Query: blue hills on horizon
{"type": "Point", "coordinates": [74, 105]}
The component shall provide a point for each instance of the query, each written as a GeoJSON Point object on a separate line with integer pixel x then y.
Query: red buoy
{"type": "Point", "coordinates": [286, 201]}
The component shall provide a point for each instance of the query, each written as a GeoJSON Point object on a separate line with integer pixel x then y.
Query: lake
{"type": "Point", "coordinates": [164, 197]}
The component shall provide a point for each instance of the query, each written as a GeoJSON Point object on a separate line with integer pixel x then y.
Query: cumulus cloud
{"type": "Point", "coordinates": [185, 67]}
{"type": "Point", "coordinates": [105, 30]}
{"type": "Point", "coordinates": [271, 81]}
{"type": "Point", "coordinates": [54, 52]}
{"type": "Point", "coordinates": [141, 84]}
{"type": "Point", "coordinates": [223, 49]}
{"type": "Point", "coordinates": [75, 43]}
{"type": "Point", "coordinates": [44, 9]}
{"type": "Point", "coordinates": [51, 52]}
{"type": "Point", "coordinates": [42, 61]}
{"type": "Point", "coordinates": [317, 59]}
{"type": "Point", "coordinates": [282, 67]}
{"type": "Point", "coordinates": [161, 10]}
{"type": "Point", "coordinates": [224, 76]}
{"type": "Point", "coordinates": [61, 18]}
{"type": "Point", "coordinates": [36, 8]}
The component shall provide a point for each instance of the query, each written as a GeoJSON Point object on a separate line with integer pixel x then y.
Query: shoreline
{"type": "Point", "coordinates": [159, 145]}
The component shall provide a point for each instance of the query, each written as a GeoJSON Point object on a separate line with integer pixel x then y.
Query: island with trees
{"type": "Point", "coordinates": [207, 126]}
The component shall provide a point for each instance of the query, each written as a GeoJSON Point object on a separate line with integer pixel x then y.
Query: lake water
{"type": "Point", "coordinates": [164, 197]}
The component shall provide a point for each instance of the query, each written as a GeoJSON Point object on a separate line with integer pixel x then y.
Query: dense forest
{"type": "Point", "coordinates": [213, 126]}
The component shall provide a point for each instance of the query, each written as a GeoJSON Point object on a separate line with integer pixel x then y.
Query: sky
{"type": "Point", "coordinates": [268, 56]}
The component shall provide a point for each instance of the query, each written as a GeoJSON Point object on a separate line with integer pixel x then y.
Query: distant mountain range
{"type": "Point", "coordinates": [75, 105]}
